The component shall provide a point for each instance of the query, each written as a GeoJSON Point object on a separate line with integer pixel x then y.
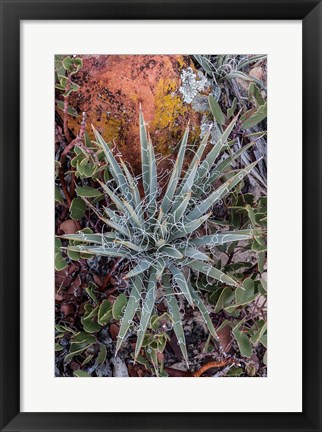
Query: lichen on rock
{"type": "Point", "coordinates": [112, 87]}
{"type": "Point", "coordinates": [195, 88]}
{"type": "Point", "coordinates": [192, 84]}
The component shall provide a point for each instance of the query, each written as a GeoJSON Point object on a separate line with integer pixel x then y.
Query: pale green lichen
{"type": "Point", "coordinates": [195, 88]}
{"type": "Point", "coordinates": [192, 84]}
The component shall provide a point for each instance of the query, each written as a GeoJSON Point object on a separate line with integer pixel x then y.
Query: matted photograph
{"type": "Point", "coordinates": [160, 215]}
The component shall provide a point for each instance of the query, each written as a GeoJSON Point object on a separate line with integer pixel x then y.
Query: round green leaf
{"type": "Point", "coordinates": [87, 192]}
{"type": "Point", "coordinates": [118, 306]}
{"type": "Point", "coordinates": [77, 209]}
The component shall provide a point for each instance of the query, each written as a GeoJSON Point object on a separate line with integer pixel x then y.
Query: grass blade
{"type": "Point", "coordinates": [216, 110]}
{"type": "Point", "coordinates": [255, 117]}
{"type": "Point", "coordinates": [243, 341]}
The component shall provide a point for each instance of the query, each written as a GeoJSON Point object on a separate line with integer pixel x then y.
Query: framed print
{"type": "Point", "coordinates": [160, 215]}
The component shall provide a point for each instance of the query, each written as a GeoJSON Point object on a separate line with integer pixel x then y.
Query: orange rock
{"type": "Point", "coordinates": [113, 87]}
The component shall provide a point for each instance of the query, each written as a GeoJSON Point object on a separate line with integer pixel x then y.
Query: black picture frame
{"type": "Point", "coordinates": [12, 12]}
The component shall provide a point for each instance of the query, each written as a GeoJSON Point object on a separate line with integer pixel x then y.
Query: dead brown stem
{"type": "Point", "coordinates": [66, 97]}
{"type": "Point", "coordinates": [210, 365]}
{"type": "Point", "coordinates": [64, 187]}
{"type": "Point", "coordinates": [110, 274]}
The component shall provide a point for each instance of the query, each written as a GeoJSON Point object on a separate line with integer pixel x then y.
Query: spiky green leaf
{"type": "Point", "coordinates": [193, 165]}
{"type": "Point", "coordinates": [153, 181]}
{"type": "Point", "coordinates": [144, 154]}
{"type": "Point", "coordinates": [191, 252]}
{"type": "Point", "coordinates": [187, 228]}
{"type": "Point", "coordinates": [143, 265]}
{"type": "Point", "coordinates": [147, 308]}
{"type": "Point", "coordinates": [220, 193]}
{"type": "Point", "coordinates": [181, 281]}
{"type": "Point", "coordinates": [174, 312]}
{"type": "Point", "coordinates": [103, 251]}
{"type": "Point", "coordinates": [203, 310]}
{"type": "Point", "coordinates": [181, 206]}
{"type": "Point", "coordinates": [130, 310]}
{"type": "Point", "coordinates": [105, 238]}
{"type": "Point", "coordinates": [253, 117]}
{"type": "Point", "coordinates": [223, 237]}
{"type": "Point", "coordinates": [208, 162]}
{"type": "Point", "coordinates": [133, 186]}
{"type": "Point", "coordinates": [212, 272]}
{"type": "Point", "coordinates": [175, 175]}
{"type": "Point", "coordinates": [114, 167]}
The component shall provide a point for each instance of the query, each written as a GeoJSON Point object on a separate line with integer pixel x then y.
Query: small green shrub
{"type": "Point", "coordinates": [65, 68]}
{"type": "Point", "coordinates": [159, 233]}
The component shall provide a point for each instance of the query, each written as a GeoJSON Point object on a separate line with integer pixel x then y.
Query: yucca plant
{"type": "Point", "coordinates": [157, 233]}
